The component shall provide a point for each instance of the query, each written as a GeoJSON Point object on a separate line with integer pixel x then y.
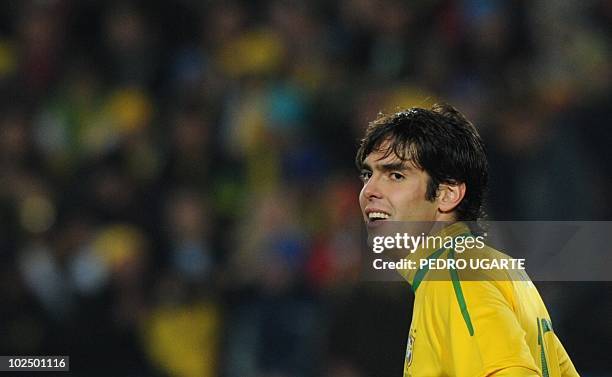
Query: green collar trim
{"type": "Point", "coordinates": [420, 274]}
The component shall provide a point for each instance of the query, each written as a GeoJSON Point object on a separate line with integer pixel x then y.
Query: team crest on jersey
{"type": "Point", "coordinates": [409, 348]}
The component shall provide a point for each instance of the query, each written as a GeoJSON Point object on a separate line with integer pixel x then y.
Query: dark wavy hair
{"type": "Point", "coordinates": [440, 141]}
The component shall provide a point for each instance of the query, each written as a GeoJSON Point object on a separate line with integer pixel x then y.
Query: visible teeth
{"type": "Point", "coordinates": [378, 215]}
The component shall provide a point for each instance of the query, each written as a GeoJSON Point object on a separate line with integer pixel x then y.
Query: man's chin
{"type": "Point", "coordinates": [393, 227]}
{"type": "Point", "coordinates": [381, 227]}
{"type": "Point", "coordinates": [376, 223]}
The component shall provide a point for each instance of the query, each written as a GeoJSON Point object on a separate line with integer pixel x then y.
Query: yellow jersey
{"type": "Point", "coordinates": [488, 327]}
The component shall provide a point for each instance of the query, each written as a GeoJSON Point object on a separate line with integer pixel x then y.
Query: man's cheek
{"type": "Point", "coordinates": [362, 200]}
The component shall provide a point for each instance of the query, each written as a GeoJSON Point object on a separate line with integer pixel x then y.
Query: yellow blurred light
{"type": "Point", "coordinates": [7, 58]}
{"type": "Point", "coordinates": [184, 340]}
{"type": "Point", "coordinates": [37, 213]}
{"type": "Point", "coordinates": [405, 97]}
{"type": "Point", "coordinates": [118, 244]}
{"type": "Point", "coordinates": [131, 109]}
{"type": "Point", "coordinates": [256, 52]}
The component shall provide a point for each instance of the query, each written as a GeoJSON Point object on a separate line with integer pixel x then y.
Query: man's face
{"type": "Point", "coordinates": [394, 190]}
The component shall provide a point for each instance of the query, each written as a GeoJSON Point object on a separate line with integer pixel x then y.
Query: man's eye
{"type": "Point", "coordinates": [365, 175]}
{"type": "Point", "coordinates": [397, 176]}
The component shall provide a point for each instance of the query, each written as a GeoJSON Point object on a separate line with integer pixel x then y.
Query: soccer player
{"type": "Point", "coordinates": [429, 165]}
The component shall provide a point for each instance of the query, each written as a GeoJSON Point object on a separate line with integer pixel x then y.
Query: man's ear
{"type": "Point", "coordinates": [449, 196]}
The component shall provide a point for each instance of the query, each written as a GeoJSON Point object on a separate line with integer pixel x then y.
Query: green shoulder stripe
{"type": "Point", "coordinates": [460, 298]}
{"type": "Point", "coordinates": [546, 325]}
{"type": "Point", "coordinates": [420, 274]}
{"type": "Point", "coordinates": [541, 330]}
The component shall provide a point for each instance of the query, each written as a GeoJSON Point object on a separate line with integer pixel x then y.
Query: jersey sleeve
{"type": "Point", "coordinates": [485, 335]}
{"type": "Point", "coordinates": [566, 367]}
{"type": "Point", "coordinates": [514, 372]}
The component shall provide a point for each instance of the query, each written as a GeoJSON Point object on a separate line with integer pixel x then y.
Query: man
{"type": "Point", "coordinates": [429, 166]}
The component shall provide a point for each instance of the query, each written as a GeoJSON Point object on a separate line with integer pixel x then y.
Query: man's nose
{"type": "Point", "coordinates": [372, 189]}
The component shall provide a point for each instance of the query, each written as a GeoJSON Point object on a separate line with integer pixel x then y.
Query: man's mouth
{"type": "Point", "coordinates": [375, 216]}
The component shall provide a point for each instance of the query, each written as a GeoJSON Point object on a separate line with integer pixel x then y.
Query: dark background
{"type": "Point", "coordinates": [177, 189]}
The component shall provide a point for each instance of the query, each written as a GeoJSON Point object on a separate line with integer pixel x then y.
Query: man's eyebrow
{"type": "Point", "coordinates": [400, 165]}
{"type": "Point", "coordinates": [394, 166]}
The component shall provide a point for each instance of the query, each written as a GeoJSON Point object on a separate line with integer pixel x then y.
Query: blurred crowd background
{"type": "Point", "coordinates": [178, 196]}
